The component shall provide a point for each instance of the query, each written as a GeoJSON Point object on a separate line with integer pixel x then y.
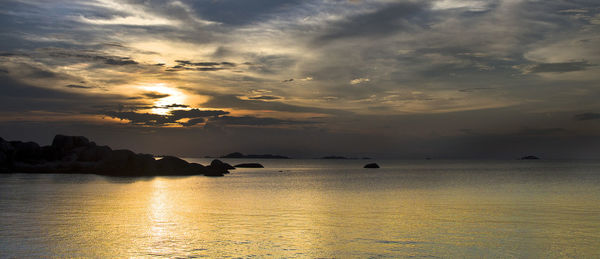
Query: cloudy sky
{"type": "Point", "coordinates": [381, 78]}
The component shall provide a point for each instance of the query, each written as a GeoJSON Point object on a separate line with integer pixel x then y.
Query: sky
{"type": "Point", "coordinates": [379, 78]}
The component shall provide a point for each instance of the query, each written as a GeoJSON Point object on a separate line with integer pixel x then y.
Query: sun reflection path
{"type": "Point", "coordinates": [161, 219]}
{"type": "Point", "coordinates": [161, 105]}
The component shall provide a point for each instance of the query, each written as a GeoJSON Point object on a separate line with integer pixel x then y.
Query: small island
{"type": "Point", "coordinates": [265, 156]}
{"type": "Point", "coordinates": [529, 158]}
{"type": "Point", "coordinates": [78, 155]}
{"type": "Point", "coordinates": [249, 165]}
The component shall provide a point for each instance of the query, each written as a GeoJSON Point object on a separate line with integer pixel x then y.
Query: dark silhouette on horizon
{"type": "Point", "coordinates": [265, 156]}
{"type": "Point", "coordinates": [77, 155]}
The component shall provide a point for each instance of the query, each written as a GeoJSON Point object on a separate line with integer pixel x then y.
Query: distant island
{"type": "Point", "coordinates": [343, 157]}
{"type": "Point", "coordinates": [529, 158]}
{"type": "Point", "coordinates": [266, 156]}
{"type": "Point", "coordinates": [78, 155]}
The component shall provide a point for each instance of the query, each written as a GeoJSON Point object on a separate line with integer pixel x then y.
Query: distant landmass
{"type": "Point", "coordinates": [342, 157]}
{"type": "Point", "coordinates": [529, 158]}
{"type": "Point", "coordinates": [266, 156]}
{"type": "Point", "coordinates": [78, 155]}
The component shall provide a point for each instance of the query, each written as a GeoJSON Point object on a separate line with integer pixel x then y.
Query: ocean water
{"type": "Point", "coordinates": [312, 208]}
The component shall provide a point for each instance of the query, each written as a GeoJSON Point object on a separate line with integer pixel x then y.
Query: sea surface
{"type": "Point", "coordinates": [312, 208]}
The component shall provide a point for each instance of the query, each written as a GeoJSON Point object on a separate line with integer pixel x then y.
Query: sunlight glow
{"type": "Point", "coordinates": [161, 104]}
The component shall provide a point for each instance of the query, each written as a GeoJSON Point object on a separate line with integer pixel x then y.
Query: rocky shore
{"type": "Point", "coordinates": [78, 155]}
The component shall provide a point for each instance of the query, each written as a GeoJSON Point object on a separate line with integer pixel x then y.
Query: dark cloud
{"type": "Point", "coordinates": [195, 113]}
{"type": "Point", "coordinates": [255, 121]}
{"type": "Point", "coordinates": [193, 122]}
{"type": "Point", "coordinates": [78, 86]}
{"type": "Point", "coordinates": [541, 131]}
{"type": "Point", "coordinates": [120, 62]}
{"type": "Point", "coordinates": [175, 105]}
{"type": "Point", "coordinates": [587, 116]}
{"type": "Point", "coordinates": [469, 90]}
{"type": "Point", "coordinates": [90, 55]}
{"type": "Point", "coordinates": [233, 101]}
{"type": "Point", "coordinates": [558, 67]}
{"type": "Point", "coordinates": [264, 97]}
{"type": "Point", "coordinates": [20, 97]}
{"type": "Point", "coordinates": [236, 13]}
{"type": "Point", "coordinates": [287, 80]}
{"type": "Point", "coordinates": [201, 66]}
{"type": "Point", "coordinates": [141, 118]}
{"type": "Point", "coordinates": [385, 21]}
{"type": "Point", "coordinates": [194, 117]}
{"type": "Point", "coordinates": [155, 95]}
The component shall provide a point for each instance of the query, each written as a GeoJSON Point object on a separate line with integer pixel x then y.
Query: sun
{"type": "Point", "coordinates": [172, 96]}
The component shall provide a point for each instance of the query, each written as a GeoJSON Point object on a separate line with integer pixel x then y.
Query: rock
{"type": "Point", "coordinates": [26, 151]}
{"type": "Point", "coordinates": [216, 163]}
{"type": "Point", "coordinates": [76, 154]}
{"type": "Point", "coordinates": [529, 158]}
{"type": "Point", "coordinates": [217, 167]}
{"type": "Point", "coordinates": [94, 153]}
{"type": "Point", "coordinates": [65, 144]}
{"type": "Point", "coordinates": [250, 165]}
{"type": "Point", "coordinates": [172, 165]}
{"type": "Point", "coordinates": [371, 165]}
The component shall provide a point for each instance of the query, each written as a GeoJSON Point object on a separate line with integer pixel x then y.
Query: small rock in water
{"type": "Point", "coordinates": [371, 165]}
{"type": "Point", "coordinates": [249, 165]}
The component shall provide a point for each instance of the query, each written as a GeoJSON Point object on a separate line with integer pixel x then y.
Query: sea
{"type": "Point", "coordinates": [311, 208]}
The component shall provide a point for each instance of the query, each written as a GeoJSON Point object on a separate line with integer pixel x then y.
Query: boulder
{"type": "Point", "coordinates": [216, 163]}
{"type": "Point", "coordinates": [529, 158]}
{"type": "Point", "coordinates": [26, 151]}
{"type": "Point", "coordinates": [94, 153]}
{"type": "Point", "coordinates": [217, 168]}
{"type": "Point", "coordinates": [172, 165]}
{"type": "Point", "coordinates": [371, 165]}
{"type": "Point", "coordinates": [249, 165]}
{"type": "Point", "coordinates": [65, 144]}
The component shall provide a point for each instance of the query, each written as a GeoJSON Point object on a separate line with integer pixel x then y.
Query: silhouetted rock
{"type": "Point", "coordinates": [218, 164]}
{"type": "Point", "coordinates": [64, 144]}
{"type": "Point", "coordinates": [173, 165]}
{"type": "Point", "coordinates": [265, 156]}
{"type": "Point", "coordinates": [26, 151]}
{"type": "Point", "coordinates": [250, 165]}
{"type": "Point", "coordinates": [76, 154]}
{"type": "Point", "coordinates": [371, 165]}
{"type": "Point", "coordinates": [529, 158]}
{"type": "Point", "coordinates": [5, 150]}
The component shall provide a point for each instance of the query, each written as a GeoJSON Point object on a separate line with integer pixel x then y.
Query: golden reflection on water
{"type": "Point", "coordinates": [312, 216]}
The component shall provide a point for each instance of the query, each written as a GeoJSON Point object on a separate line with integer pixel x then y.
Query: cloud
{"type": "Point", "coordinates": [155, 95]}
{"type": "Point", "coordinates": [78, 86]}
{"type": "Point", "coordinates": [287, 80]}
{"type": "Point", "coordinates": [587, 116]}
{"type": "Point", "coordinates": [234, 102]}
{"type": "Point", "coordinates": [541, 131]}
{"type": "Point", "coordinates": [385, 21]}
{"type": "Point", "coordinates": [255, 121]}
{"type": "Point", "coordinates": [201, 66]}
{"type": "Point", "coordinates": [264, 97]}
{"type": "Point", "coordinates": [560, 67]}
{"type": "Point", "coordinates": [193, 116]}
{"type": "Point", "coordinates": [358, 81]}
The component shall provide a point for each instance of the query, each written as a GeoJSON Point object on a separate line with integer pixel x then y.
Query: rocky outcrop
{"type": "Point", "coordinates": [76, 154]}
{"type": "Point", "coordinates": [249, 165]}
{"type": "Point", "coordinates": [371, 165]}
{"type": "Point", "coordinates": [529, 158]}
